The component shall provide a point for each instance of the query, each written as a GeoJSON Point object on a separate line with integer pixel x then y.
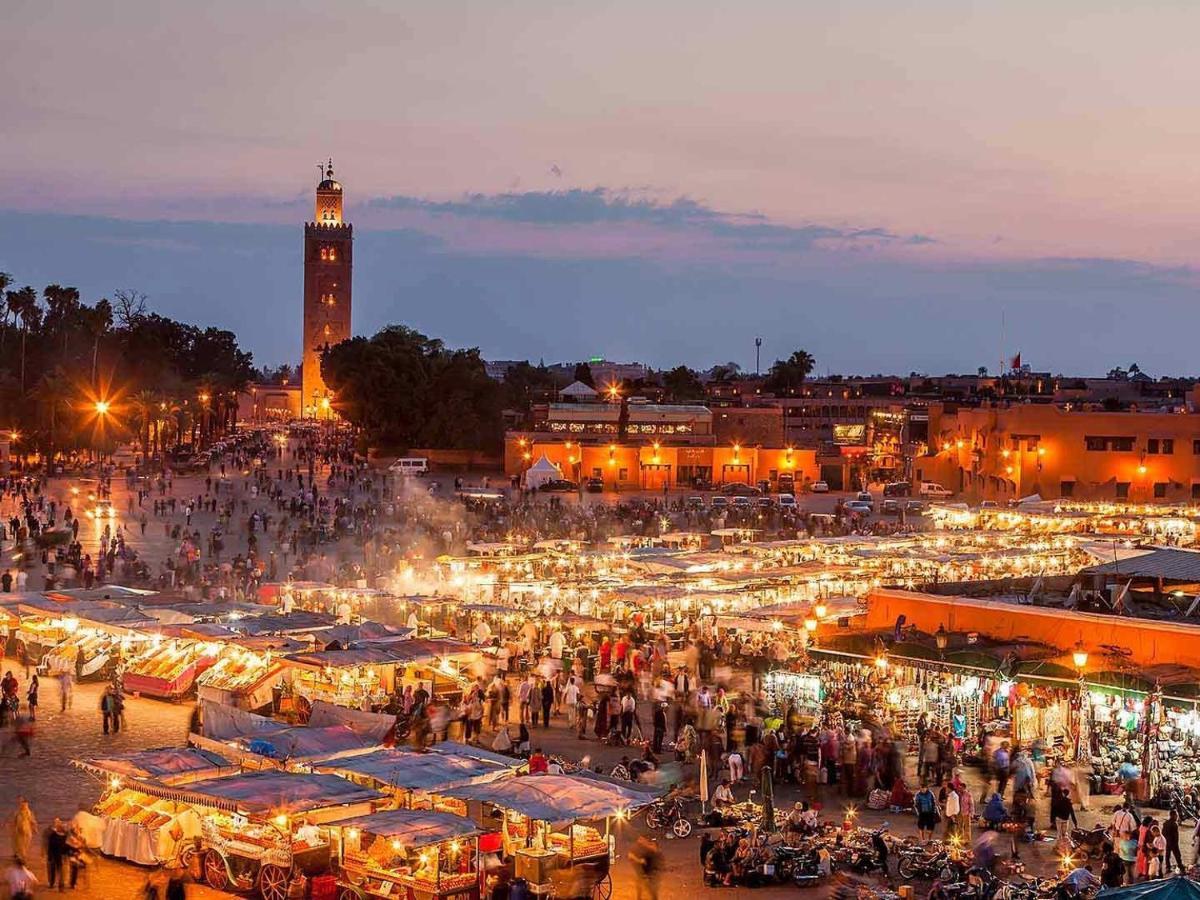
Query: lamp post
{"type": "Point", "coordinates": [1079, 656]}
{"type": "Point", "coordinates": [942, 639]}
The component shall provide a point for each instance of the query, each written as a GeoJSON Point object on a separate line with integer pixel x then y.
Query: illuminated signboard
{"type": "Point", "coordinates": [845, 435]}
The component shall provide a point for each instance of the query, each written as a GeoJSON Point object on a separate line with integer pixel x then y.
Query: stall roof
{"type": "Point", "coordinates": [365, 633]}
{"type": "Point", "coordinates": [305, 742]}
{"type": "Point", "coordinates": [472, 752]}
{"type": "Point", "coordinates": [555, 798]}
{"type": "Point", "coordinates": [413, 827]}
{"type": "Point", "coordinates": [1168, 564]}
{"type": "Point", "coordinates": [415, 771]}
{"type": "Point", "coordinates": [273, 792]}
{"type": "Point", "coordinates": [294, 622]}
{"type": "Point", "coordinates": [1173, 887]}
{"type": "Point", "coordinates": [170, 765]}
{"type": "Point", "coordinates": [363, 656]}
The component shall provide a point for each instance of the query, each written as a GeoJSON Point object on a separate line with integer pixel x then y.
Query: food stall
{"type": "Point", "coordinates": [169, 667]}
{"type": "Point", "coordinates": [260, 830]}
{"type": "Point", "coordinates": [137, 818]}
{"type": "Point", "coordinates": [242, 677]}
{"type": "Point", "coordinates": [409, 855]}
{"type": "Point", "coordinates": [89, 654]}
{"type": "Point", "coordinates": [544, 822]}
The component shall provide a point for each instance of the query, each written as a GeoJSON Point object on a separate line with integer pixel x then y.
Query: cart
{"type": "Point", "coordinates": [262, 829]}
{"type": "Point", "coordinates": [405, 854]}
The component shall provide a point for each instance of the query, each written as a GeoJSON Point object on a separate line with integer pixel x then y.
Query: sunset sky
{"type": "Point", "coordinates": [882, 183]}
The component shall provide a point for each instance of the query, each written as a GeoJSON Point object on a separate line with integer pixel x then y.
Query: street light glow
{"type": "Point", "coordinates": [102, 407]}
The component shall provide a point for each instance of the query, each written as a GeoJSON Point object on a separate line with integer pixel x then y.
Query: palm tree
{"type": "Point", "coordinates": [54, 393]}
{"type": "Point", "coordinates": [23, 304]}
{"type": "Point", "coordinates": [146, 411]}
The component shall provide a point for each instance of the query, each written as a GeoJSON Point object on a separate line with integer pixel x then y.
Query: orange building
{"type": "Point", "coordinates": [328, 249]}
{"type": "Point", "coordinates": [1003, 452]}
{"type": "Point", "coordinates": [664, 446]}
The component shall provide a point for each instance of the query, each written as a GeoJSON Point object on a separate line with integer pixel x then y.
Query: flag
{"type": "Point", "coordinates": [1016, 361]}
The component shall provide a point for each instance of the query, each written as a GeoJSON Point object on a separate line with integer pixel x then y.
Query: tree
{"type": "Point", "coordinates": [788, 374]}
{"type": "Point", "coordinates": [683, 385]}
{"type": "Point", "coordinates": [129, 306]}
{"type": "Point", "coordinates": [583, 373]}
{"type": "Point", "coordinates": [523, 382]}
{"type": "Point", "coordinates": [725, 372]}
{"type": "Point", "coordinates": [407, 390]}
{"type": "Point", "coordinates": [23, 305]}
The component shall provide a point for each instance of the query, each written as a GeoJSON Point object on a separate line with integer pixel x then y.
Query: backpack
{"type": "Point", "coordinates": [924, 801]}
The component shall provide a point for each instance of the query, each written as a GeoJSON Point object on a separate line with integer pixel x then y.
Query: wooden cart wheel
{"type": "Point", "coordinates": [349, 893]}
{"type": "Point", "coordinates": [216, 876]}
{"type": "Point", "coordinates": [303, 710]}
{"type": "Point", "coordinates": [603, 888]}
{"type": "Point", "coordinates": [273, 883]}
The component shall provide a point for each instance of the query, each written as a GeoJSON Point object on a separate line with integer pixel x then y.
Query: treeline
{"type": "Point", "coordinates": [75, 375]}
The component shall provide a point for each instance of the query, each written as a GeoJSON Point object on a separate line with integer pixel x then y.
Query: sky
{"type": "Point", "coordinates": [893, 185]}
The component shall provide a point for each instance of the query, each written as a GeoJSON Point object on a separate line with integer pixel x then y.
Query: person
{"type": "Point", "coordinates": [108, 706]}
{"type": "Point", "coordinates": [1142, 860]}
{"type": "Point", "coordinates": [56, 853]}
{"type": "Point", "coordinates": [547, 702]}
{"type": "Point", "coordinates": [660, 727]}
{"type": "Point", "coordinates": [24, 827]}
{"type": "Point", "coordinates": [951, 809]}
{"type": "Point", "coordinates": [1081, 879]}
{"type": "Point", "coordinates": [31, 697]}
{"type": "Point", "coordinates": [628, 708]}
{"type": "Point", "coordinates": [647, 865]}
{"type": "Point", "coordinates": [503, 741]}
{"type": "Point", "coordinates": [994, 812]}
{"type": "Point", "coordinates": [925, 805]}
{"type": "Point", "coordinates": [20, 880]}
{"type": "Point", "coordinates": [1127, 849]}
{"type": "Point", "coordinates": [1155, 849]}
{"type": "Point", "coordinates": [538, 764]}
{"type": "Point", "coordinates": [1112, 870]}
{"type": "Point", "coordinates": [723, 795]}
{"type": "Point", "coordinates": [64, 689]}
{"type": "Point", "coordinates": [1061, 812]}
{"type": "Point", "coordinates": [1123, 821]}
{"type": "Point", "coordinates": [1001, 760]}
{"type": "Point", "coordinates": [1170, 833]}
{"type": "Point", "coordinates": [570, 699]}
{"type": "Point", "coordinates": [23, 735]}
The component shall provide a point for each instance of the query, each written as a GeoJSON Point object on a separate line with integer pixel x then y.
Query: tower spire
{"type": "Point", "coordinates": [329, 168]}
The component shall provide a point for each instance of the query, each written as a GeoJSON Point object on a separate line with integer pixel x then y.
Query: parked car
{"type": "Point", "coordinates": [860, 507]}
{"type": "Point", "coordinates": [890, 506]}
{"type": "Point", "coordinates": [764, 502]}
{"type": "Point", "coordinates": [989, 504]}
{"type": "Point", "coordinates": [559, 485]}
{"type": "Point", "coordinates": [719, 502]}
{"type": "Point", "coordinates": [594, 486]}
{"type": "Point", "coordinates": [820, 487]}
{"type": "Point", "coordinates": [914, 507]}
{"type": "Point", "coordinates": [737, 489]}
{"type": "Point", "coordinates": [694, 503]}
{"type": "Point", "coordinates": [787, 502]}
{"type": "Point", "coordinates": [897, 489]}
{"type": "Point", "coordinates": [865, 497]}
{"type": "Point", "coordinates": [742, 503]}
{"type": "Point", "coordinates": [935, 490]}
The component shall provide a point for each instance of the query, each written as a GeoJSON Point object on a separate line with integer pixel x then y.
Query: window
{"type": "Point", "coordinates": [1152, 445]}
{"type": "Point", "coordinates": [1067, 489]}
{"type": "Point", "coordinates": [1168, 446]}
{"type": "Point", "coordinates": [1196, 445]}
{"type": "Point", "coordinates": [1160, 490]}
{"type": "Point", "coordinates": [1165, 446]}
{"type": "Point", "coordinates": [1122, 490]}
{"type": "Point", "coordinates": [1196, 491]}
{"type": "Point", "coordinates": [1106, 443]}
{"type": "Point", "coordinates": [623, 474]}
{"type": "Point", "coordinates": [597, 472]}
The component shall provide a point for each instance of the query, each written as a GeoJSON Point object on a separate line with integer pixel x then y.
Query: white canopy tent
{"type": "Point", "coordinates": [540, 472]}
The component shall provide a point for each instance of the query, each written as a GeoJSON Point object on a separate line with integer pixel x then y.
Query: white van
{"type": "Point", "coordinates": [933, 489]}
{"type": "Point", "coordinates": [410, 465]}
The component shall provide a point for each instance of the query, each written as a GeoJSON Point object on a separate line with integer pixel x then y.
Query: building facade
{"type": "Point", "coordinates": [1006, 452]}
{"type": "Point", "coordinates": [328, 259]}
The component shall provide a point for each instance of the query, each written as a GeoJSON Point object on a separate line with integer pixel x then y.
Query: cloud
{"type": "Point", "coordinates": [600, 206]}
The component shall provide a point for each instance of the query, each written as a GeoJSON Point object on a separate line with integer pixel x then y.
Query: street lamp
{"type": "Point", "coordinates": [102, 407]}
{"type": "Point", "coordinates": [1080, 657]}
{"type": "Point", "coordinates": [820, 609]}
{"type": "Point", "coordinates": [941, 638]}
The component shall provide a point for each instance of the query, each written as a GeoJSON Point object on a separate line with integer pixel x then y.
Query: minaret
{"type": "Point", "coordinates": [328, 252]}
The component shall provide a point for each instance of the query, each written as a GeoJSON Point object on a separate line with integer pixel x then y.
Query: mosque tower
{"type": "Point", "coordinates": [328, 253]}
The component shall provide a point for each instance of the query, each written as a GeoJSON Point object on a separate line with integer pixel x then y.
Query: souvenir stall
{"type": "Point", "coordinates": [260, 830]}
{"type": "Point", "coordinates": [801, 691]}
{"type": "Point", "coordinates": [416, 780]}
{"type": "Point", "coordinates": [408, 855]}
{"type": "Point", "coordinates": [168, 668]}
{"type": "Point", "coordinates": [548, 823]}
{"type": "Point", "coordinates": [137, 818]}
{"type": "Point", "coordinates": [358, 679]}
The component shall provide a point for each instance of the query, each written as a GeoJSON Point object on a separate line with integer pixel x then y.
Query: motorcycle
{"type": "Point", "coordinates": [668, 812]}
{"type": "Point", "coordinates": [1090, 840]}
{"type": "Point", "coordinates": [920, 863]}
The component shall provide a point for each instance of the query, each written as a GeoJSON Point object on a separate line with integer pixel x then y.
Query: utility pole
{"type": "Point", "coordinates": [757, 356]}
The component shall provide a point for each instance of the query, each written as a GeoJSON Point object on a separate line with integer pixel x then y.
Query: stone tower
{"type": "Point", "coordinates": [328, 254]}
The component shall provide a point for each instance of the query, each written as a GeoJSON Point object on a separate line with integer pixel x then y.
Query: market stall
{"type": "Point", "coordinates": [408, 854]}
{"type": "Point", "coordinates": [545, 823]}
{"type": "Point", "coordinates": [261, 829]}
{"type": "Point", "coordinates": [241, 677]}
{"type": "Point", "coordinates": [168, 668]}
{"type": "Point", "coordinates": [137, 817]}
